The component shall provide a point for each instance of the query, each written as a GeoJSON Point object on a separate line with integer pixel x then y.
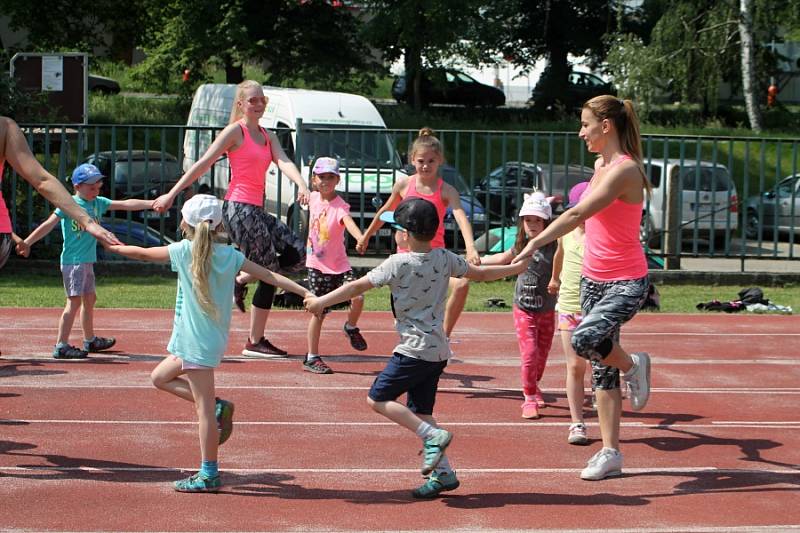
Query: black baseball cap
{"type": "Point", "coordinates": [415, 215]}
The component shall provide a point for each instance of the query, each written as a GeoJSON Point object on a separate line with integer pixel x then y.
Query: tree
{"type": "Point", "coordinates": [748, 64]}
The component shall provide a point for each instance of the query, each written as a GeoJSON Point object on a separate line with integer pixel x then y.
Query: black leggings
{"type": "Point", "coordinates": [265, 293]}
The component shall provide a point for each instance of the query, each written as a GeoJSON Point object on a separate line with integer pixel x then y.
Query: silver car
{"type": "Point", "coordinates": [774, 210]}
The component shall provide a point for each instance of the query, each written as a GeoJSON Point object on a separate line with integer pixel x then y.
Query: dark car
{"type": "Point", "coordinates": [448, 86]}
{"type": "Point", "coordinates": [502, 190]}
{"type": "Point", "coordinates": [102, 85]}
{"type": "Point", "coordinates": [581, 86]}
{"type": "Point", "coordinates": [132, 233]}
{"type": "Point", "coordinates": [138, 174]}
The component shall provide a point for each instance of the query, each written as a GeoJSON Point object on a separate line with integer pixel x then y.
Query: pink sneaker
{"type": "Point", "coordinates": [530, 410]}
{"type": "Point", "coordinates": [539, 399]}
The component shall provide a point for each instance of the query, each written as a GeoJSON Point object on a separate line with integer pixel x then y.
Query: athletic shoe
{"type": "Point", "coordinates": [605, 463]}
{"type": "Point", "coordinates": [263, 348]}
{"type": "Point", "coordinates": [224, 414]}
{"type": "Point", "coordinates": [433, 448]}
{"type": "Point", "coordinates": [539, 398]}
{"type": "Point", "coordinates": [239, 294]}
{"type": "Point", "coordinates": [639, 382]}
{"type": "Point", "coordinates": [317, 366]}
{"type": "Point", "coordinates": [436, 484]}
{"type": "Point", "coordinates": [198, 483]}
{"type": "Point", "coordinates": [577, 434]}
{"type": "Point", "coordinates": [356, 339]}
{"type": "Point", "coordinates": [98, 344]}
{"type": "Point", "coordinates": [69, 352]}
{"type": "Point", "coordinates": [530, 410]}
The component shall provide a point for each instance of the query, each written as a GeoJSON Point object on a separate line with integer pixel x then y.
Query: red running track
{"type": "Point", "coordinates": [92, 446]}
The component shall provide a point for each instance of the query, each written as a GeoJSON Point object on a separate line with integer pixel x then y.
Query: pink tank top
{"type": "Point", "coordinates": [249, 165]}
{"type": "Point", "coordinates": [612, 251]}
{"type": "Point", "coordinates": [5, 220]}
{"type": "Point", "coordinates": [436, 200]}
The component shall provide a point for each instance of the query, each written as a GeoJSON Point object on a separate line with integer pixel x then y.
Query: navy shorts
{"type": "Point", "coordinates": [404, 374]}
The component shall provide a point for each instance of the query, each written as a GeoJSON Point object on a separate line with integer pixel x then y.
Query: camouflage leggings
{"type": "Point", "coordinates": [261, 237]}
{"type": "Point", "coordinates": [6, 244]}
{"type": "Point", "coordinates": [606, 306]}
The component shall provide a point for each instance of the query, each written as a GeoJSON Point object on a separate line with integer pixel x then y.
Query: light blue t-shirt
{"type": "Point", "coordinates": [79, 246]}
{"type": "Point", "coordinates": [196, 337]}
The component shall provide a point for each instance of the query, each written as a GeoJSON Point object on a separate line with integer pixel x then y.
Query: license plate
{"type": "Point", "coordinates": [383, 232]}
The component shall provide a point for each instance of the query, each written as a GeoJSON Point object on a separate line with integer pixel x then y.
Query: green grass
{"type": "Point", "coordinates": [45, 290]}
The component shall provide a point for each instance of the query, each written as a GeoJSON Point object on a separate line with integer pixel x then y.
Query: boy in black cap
{"type": "Point", "coordinates": [418, 281]}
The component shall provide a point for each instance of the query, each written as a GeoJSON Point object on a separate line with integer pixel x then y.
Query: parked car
{"type": "Point", "coordinates": [133, 233]}
{"type": "Point", "coordinates": [708, 200]}
{"type": "Point", "coordinates": [448, 86]}
{"type": "Point", "coordinates": [581, 86]}
{"type": "Point", "coordinates": [102, 85]}
{"type": "Point", "coordinates": [501, 191]}
{"type": "Point", "coordinates": [138, 174]}
{"type": "Point", "coordinates": [776, 210]}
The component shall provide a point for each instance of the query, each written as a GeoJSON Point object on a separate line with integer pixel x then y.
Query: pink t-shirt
{"type": "Point", "coordinates": [5, 220]}
{"type": "Point", "coordinates": [612, 250]}
{"type": "Point", "coordinates": [249, 165]}
{"type": "Point", "coordinates": [325, 249]}
{"type": "Point", "coordinates": [437, 200]}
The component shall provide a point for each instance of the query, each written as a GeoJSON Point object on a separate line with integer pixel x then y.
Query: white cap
{"type": "Point", "coordinates": [536, 204]}
{"type": "Point", "coordinates": [202, 207]}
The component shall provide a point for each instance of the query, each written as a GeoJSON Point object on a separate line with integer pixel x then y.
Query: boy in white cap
{"type": "Point", "coordinates": [206, 272]}
{"type": "Point", "coordinates": [78, 257]}
{"type": "Point", "coordinates": [326, 257]}
{"type": "Point", "coordinates": [418, 280]}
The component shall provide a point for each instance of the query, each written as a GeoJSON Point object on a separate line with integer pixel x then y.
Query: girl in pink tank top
{"type": "Point", "coordinates": [249, 163]}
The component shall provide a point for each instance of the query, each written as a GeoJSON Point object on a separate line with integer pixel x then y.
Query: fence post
{"type": "Point", "coordinates": [673, 252]}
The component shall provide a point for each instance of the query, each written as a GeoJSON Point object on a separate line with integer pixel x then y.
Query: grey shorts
{"type": "Point", "coordinates": [6, 244]}
{"type": "Point", "coordinates": [78, 279]}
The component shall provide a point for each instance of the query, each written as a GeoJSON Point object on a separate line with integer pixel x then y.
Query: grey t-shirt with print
{"type": "Point", "coordinates": [419, 287]}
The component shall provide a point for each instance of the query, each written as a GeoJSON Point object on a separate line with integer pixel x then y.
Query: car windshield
{"type": "Point", "coordinates": [513, 176]}
{"type": "Point", "coordinates": [450, 175]}
{"type": "Point", "coordinates": [365, 148]}
{"type": "Point", "coordinates": [145, 172]}
{"type": "Point", "coordinates": [708, 179]}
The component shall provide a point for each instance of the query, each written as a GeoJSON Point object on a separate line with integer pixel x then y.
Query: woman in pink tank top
{"type": "Point", "coordinates": [426, 155]}
{"type": "Point", "coordinates": [261, 237]}
{"type": "Point", "coordinates": [614, 278]}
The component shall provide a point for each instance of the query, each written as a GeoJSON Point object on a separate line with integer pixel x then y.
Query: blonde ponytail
{"type": "Point", "coordinates": [202, 237]}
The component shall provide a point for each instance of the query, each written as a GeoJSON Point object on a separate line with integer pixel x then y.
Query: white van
{"type": "Point", "coordinates": [341, 125]}
{"type": "Point", "coordinates": [708, 200]}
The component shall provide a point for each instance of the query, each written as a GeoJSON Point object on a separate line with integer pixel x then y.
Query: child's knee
{"type": "Point", "coordinates": [375, 406]}
{"type": "Point", "coordinates": [89, 299]}
{"type": "Point", "coordinates": [157, 379]}
{"type": "Point", "coordinates": [72, 305]}
{"type": "Point", "coordinates": [358, 299]}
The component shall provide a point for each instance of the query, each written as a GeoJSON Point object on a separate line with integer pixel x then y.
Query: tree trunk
{"type": "Point", "coordinates": [413, 63]}
{"type": "Point", "coordinates": [748, 67]}
{"type": "Point", "coordinates": [233, 73]}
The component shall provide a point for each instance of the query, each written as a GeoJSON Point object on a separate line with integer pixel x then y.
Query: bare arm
{"type": "Point", "coordinates": [351, 227]}
{"type": "Point", "coordinates": [22, 248]}
{"type": "Point", "coordinates": [16, 151]}
{"type": "Point", "coordinates": [224, 142]}
{"type": "Point", "coordinates": [558, 264]}
{"type": "Point", "coordinates": [42, 229]}
{"type": "Point", "coordinates": [493, 272]}
{"type": "Point", "coordinates": [454, 201]}
{"type": "Point", "coordinates": [131, 204]}
{"type": "Point", "coordinates": [273, 278]}
{"type": "Point", "coordinates": [375, 225]}
{"type": "Point", "coordinates": [503, 258]}
{"type": "Point", "coordinates": [157, 254]}
{"type": "Point", "coordinates": [345, 293]}
{"type": "Point", "coordinates": [288, 168]}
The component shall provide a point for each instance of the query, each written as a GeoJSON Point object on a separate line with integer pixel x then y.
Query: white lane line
{"type": "Point", "coordinates": [639, 425]}
{"type": "Point", "coordinates": [675, 470]}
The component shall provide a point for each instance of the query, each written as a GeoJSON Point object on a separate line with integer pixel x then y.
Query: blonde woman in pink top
{"type": "Point", "coordinates": [261, 237]}
{"type": "Point", "coordinates": [614, 277]}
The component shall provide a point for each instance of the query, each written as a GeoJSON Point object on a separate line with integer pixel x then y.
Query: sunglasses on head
{"type": "Point", "coordinates": [253, 100]}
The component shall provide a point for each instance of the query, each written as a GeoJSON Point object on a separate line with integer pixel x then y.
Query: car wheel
{"type": "Point", "coordinates": [751, 224]}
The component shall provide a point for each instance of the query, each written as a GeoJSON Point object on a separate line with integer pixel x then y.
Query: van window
{"type": "Point", "coordinates": [708, 179]}
{"type": "Point", "coordinates": [284, 133]}
{"type": "Point", "coordinates": [362, 148]}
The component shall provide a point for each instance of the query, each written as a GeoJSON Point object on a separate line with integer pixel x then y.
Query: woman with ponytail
{"type": "Point", "coordinates": [206, 272]}
{"type": "Point", "coordinates": [614, 274]}
{"type": "Point", "coordinates": [261, 237]}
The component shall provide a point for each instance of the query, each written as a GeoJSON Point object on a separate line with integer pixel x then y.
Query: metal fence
{"type": "Point", "coordinates": [728, 197]}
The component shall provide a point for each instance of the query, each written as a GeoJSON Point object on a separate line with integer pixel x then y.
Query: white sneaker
{"type": "Point", "coordinates": [577, 434]}
{"type": "Point", "coordinates": [639, 382]}
{"type": "Point", "coordinates": [605, 463]}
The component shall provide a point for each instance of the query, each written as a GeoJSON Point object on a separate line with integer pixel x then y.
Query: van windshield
{"type": "Point", "coordinates": [708, 179]}
{"type": "Point", "coordinates": [354, 148]}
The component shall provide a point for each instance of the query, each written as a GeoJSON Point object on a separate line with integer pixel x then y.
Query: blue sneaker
{"type": "Point", "coordinates": [198, 483]}
{"type": "Point", "coordinates": [98, 344]}
{"type": "Point", "coordinates": [434, 448]}
{"type": "Point", "coordinates": [436, 484]}
{"type": "Point", "coordinates": [224, 414]}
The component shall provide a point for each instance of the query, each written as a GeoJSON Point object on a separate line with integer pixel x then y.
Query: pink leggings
{"type": "Point", "coordinates": [535, 335]}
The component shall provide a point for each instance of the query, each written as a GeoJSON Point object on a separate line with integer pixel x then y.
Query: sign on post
{"type": "Point", "coordinates": [61, 76]}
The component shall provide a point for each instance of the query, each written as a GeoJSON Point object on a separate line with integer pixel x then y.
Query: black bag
{"type": "Point", "coordinates": [752, 295]}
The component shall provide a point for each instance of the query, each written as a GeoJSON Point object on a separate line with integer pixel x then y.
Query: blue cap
{"type": "Point", "coordinates": [388, 217]}
{"type": "Point", "coordinates": [86, 173]}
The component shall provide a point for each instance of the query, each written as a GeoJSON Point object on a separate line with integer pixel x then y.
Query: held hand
{"type": "Point", "coordinates": [102, 235]}
{"type": "Point", "coordinates": [303, 196]}
{"type": "Point", "coordinates": [23, 249]}
{"type": "Point", "coordinates": [473, 258]}
{"type": "Point", "coordinates": [361, 245]}
{"type": "Point", "coordinates": [162, 203]}
{"type": "Point", "coordinates": [526, 252]}
{"type": "Point", "coordinates": [311, 303]}
{"type": "Point", "coordinates": [553, 286]}
{"type": "Point", "coordinates": [520, 265]}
